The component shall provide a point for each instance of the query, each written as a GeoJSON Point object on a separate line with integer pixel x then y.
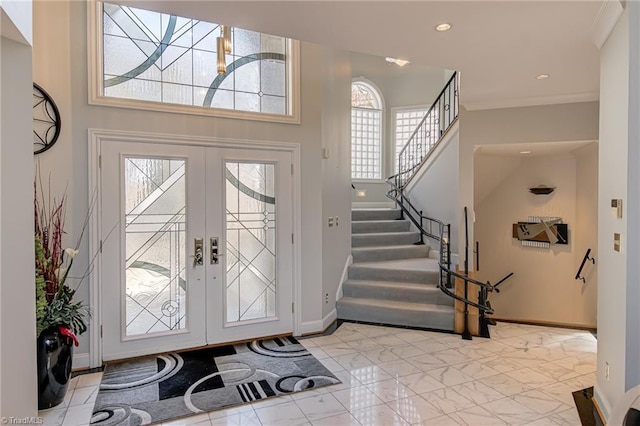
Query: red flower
{"type": "Point", "coordinates": [66, 331]}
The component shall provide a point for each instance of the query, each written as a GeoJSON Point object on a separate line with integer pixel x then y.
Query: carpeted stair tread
{"type": "Point", "coordinates": [420, 264]}
{"type": "Point", "coordinates": [398, 313]}
{"type": "Point", "coordinates": [396, 290]}
{"type": "Point", "coordinates": [381, 253]}
{"type": "Point", "coordinates": [371, 239]}
{"type": "Point", "coordinates": [374, 214]}
{"type": "Point", "coordinates": [377, 226]}
{"type": "Point", "coordinates": [398, 305]}
{"type": "Point", "coordinates": [372, 271]}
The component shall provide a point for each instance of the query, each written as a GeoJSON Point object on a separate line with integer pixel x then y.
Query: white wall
{"type": "Point", "coordinates": [434, 188]}
{"type": "Point", "coordinates": [543, 287]}
{"type": "Point", "coordinates": [632, 366]}
{"type": "Point", "coordinates": [613, 329]}
{"type": "Point", "coordinates": [548, 123]}
{"type": "Point", "coordinates": [15, 20]}
{"type": "Point", "coordinates": [18, 391]}
{"type": "Point", "coordinates": [60, 49]}
{"type": "Point", "coordinates": [336, 176]}
{"type": "Point", "coordinates": [489, 172]}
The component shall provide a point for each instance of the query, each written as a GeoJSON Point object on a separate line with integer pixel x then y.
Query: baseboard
{"type": "Point", "coordinates": [80, 362]}
{"type": "Point", "coordinates": [343, 278]}
{"type": "Point", "coordinates": [329, 319]}
{"type": "Point", "coordinates": [310, 327]}
{"type": "Point", "coordinates": [318, 326]}
{"type": "Point", "coordinates": [599, 411]}
{"type": "Point", "coordinates": [372, 205]}
{"type": "Point", "coordinates": [547, 323]}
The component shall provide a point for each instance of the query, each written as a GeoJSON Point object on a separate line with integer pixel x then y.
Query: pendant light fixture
{"type": "Point", "coordinates": [226, 34]}
{"type": "Point", "coordinates": [222, 65]}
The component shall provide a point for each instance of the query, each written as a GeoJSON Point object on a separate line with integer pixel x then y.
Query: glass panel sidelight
{"type": "Point", "coordinates": [250, 241]}
{"type": "Point", "coordinates": [155, 235]}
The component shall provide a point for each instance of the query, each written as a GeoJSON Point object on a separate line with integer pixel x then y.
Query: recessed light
{"type": "Point", "coordinates": [399, 62]}
{"type": "Point", "coordinates": [542, 76]}
{"type": "Point", "coordinates": [443, 27]}
{"type": "Point", "coordinates": [525, 152]}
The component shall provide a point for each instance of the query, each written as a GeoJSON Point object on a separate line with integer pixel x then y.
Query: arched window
{"type": "Point", "coordinates": [366, 131]}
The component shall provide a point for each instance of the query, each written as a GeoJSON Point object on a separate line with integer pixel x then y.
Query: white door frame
{"type": "Point", "coordinates": [97, 137]}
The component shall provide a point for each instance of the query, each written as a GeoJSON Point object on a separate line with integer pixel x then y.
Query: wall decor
{"type": "Point", "coordinates": [542, 189]}
{"type": "Point", "coordinates": [46, 120]}
{"type": "Point", "coordinates": [541, 232]}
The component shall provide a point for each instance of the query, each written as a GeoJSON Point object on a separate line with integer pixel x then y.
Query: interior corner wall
{"type": "Point", "coordinates": [60, 46]}
{"type": "Point", "coordinates": [18, 390]}
{"type": "Point", "coordinates": [336, 177]}
{"type": "Point", "coordinates": [545, 123]}
{"type": "Point", "coordinates": [613, 329]}
{"type": "Point", "coordinates": [543, 287]}
{"type": "Point", "coordinates": [434, 188]}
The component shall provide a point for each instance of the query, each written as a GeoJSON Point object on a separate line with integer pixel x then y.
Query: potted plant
{"type": "Point", "coordinates": [59, 318]}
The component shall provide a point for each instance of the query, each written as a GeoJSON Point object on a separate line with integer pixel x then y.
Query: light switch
{"type": "Point", "coordinates": [616, 242]}
{"type": "Point", "coordinates": [337, 221]}
{"type": "Point", "coordinates": [617, 204]}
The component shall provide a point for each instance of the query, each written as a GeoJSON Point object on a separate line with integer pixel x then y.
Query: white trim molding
{"type": "Point", "coordinates": [318, 326]}
{"type": "Point", "coordinates": [532, 101]}
{"type": "Point", "coordinates": [81, 361]}
{"type": "Point", "coordinates": [98, 137]}
{"type": "Point", "coordinates": [608, 15]}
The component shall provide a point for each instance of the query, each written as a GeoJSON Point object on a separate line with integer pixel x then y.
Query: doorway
{"type": "Point", "coordinates": [199, 249]}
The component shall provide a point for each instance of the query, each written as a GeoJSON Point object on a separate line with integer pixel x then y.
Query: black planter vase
{"type": "Point", "coordinates": [55, 353]}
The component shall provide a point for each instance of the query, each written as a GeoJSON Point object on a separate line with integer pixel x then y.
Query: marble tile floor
{"type": "Point", "coordinates": [523, 375]}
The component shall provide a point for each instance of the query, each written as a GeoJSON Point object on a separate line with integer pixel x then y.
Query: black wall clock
{"type": "Point", "coordinates": [46, 120]}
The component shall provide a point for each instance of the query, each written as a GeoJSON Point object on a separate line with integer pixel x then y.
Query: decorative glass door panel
{"type": "Point", "coordinates": [155, 240]}
{"type": "Point", "coordinates": [251, 241]}
{"type": "Point", "coordinates": [197, 251]}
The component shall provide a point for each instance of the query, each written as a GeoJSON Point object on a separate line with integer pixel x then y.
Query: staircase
{"type": "Point", "coordinates": [392, 280]}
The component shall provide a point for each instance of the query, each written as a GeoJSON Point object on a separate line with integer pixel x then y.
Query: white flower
{"type": "Point", "coordinates": [71, 252]}
{"type": "Point", "coordinates": [60, 273]}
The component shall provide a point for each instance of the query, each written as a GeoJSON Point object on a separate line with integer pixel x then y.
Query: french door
{"type": "Point", "coordinates": [197, 246]}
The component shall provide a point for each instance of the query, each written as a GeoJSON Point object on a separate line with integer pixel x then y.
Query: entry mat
{"type": "Point", "coordinates": [163, 387]}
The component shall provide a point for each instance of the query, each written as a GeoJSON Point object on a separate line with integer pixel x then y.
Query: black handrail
{"type": "Point", "coordinates": [430, 129]}
{"type": "Point", "coordinates": [442, 237]}
{"type": "Point", "coordinates": [584, 260]}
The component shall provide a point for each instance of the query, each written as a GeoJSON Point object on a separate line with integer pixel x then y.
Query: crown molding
{"type": "Point", "coordinates": [608, 15]}
{"type": "Point", "coordinates": [532, 101]}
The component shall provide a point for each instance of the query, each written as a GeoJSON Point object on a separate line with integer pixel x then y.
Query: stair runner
{"type": "Point", "coordinates": [392, 280]}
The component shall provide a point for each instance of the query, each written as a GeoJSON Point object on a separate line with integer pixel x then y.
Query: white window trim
{"type": "Point", "coordinates": [392, 136]}
{"type": "Point", "coordinates": [96, 90]}
{"type": "Point", "coordinates": [383, 137]}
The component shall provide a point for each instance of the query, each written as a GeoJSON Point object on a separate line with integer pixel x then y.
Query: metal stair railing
{"type": "Point", "coordinates": [435, 123]}
{"type": "Point", "coordinates": [438, 231]}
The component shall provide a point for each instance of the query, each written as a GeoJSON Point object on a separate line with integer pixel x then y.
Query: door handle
{"type": "Point", "coordinates": [198, 252]}
{"type": "Point", "coordinates": [214, 254]}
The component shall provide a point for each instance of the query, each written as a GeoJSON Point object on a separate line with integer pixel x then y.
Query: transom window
{"type": "Point", "coordinates": [406, 120]}
{"type": "Point", "coordinates": [366, 131]}
{"type": "Point", "coordinates": [149, 58]}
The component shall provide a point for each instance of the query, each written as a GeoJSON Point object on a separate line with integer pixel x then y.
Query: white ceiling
{"type": "Point", "coordinates": [537, 149]}
{"type": "Point", "coordinates": [499, 46]}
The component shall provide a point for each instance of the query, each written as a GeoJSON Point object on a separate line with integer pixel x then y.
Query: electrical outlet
{"type": "Point", "coordinates": [330, 222]}
{"type": "Point", "coordinates": [606, 370]}
{"type": "Point", "coordinates": [326, 298]}
{"type": "Point", "coordinates": [336, 221]}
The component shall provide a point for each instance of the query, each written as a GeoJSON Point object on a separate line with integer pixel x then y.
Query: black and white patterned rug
{"type": "Point", "coordinates": [163, 387]}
